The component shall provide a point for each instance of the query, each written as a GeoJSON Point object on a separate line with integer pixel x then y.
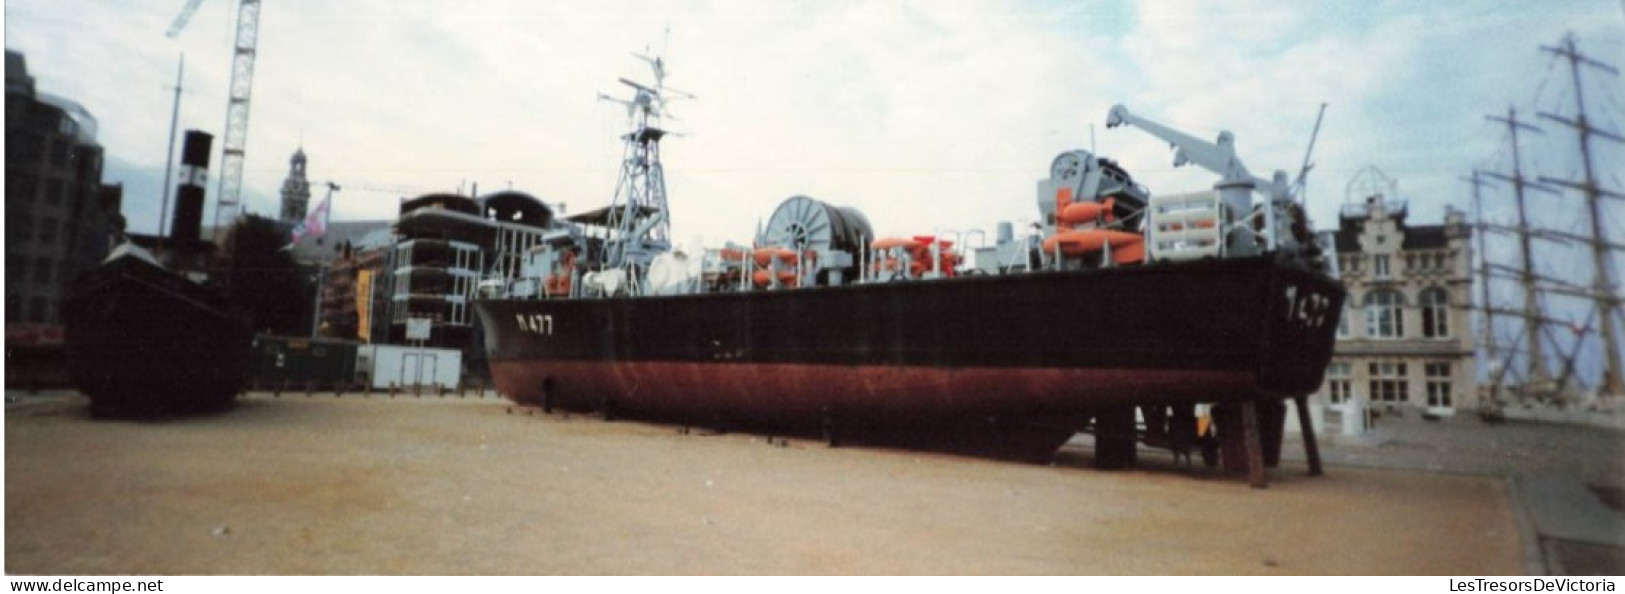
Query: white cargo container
{"type": "Point", "coordinates": [405, 366]}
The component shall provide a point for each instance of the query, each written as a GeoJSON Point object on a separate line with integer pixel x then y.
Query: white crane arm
{"type": "Point", "coordinates": [1218, 157]}
{"type": "Point", "coordinates": [181, 19]}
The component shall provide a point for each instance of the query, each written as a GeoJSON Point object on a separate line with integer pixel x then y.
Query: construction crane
{"type": "Point", "coordinates": [229, 202]}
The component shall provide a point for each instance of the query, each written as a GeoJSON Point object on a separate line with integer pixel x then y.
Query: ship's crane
{"type": "Point", "coordinates": [1235, 186]}
{"type": "Point", "coordinates": [229, 201]}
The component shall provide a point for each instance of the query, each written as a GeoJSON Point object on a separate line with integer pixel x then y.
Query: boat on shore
{"type": "Point", "coordinates": [1129, 316]}
{"type": "Point", "coordinates": [144, 338]}
{"type": "Point", "coordinates": [1022, 360]}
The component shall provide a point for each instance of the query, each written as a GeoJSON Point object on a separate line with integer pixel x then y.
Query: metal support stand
{"type": "Point", "coordinates": [1311, 448]}
{"type": "Point", "coordinates": [1254, 444]}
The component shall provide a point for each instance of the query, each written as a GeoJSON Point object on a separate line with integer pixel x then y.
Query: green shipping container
{"type": "Point", "coordinates": [295, 362]}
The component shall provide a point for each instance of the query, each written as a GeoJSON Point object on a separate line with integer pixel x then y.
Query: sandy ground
{"type": "Point", "coordinates": [323, 486]}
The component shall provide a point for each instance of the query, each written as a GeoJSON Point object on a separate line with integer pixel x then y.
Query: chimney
{"type": "Point", "coordinates": [187, 226]}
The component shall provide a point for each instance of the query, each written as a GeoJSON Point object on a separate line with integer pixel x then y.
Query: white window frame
{"type": "Point", "coordinates": [1385, 314]}
{"type": "Point", "coordinates": [1435, 304]}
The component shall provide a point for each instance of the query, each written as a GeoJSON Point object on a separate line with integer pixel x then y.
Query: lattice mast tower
{"type": "Point", "coordinates": [640, 214]}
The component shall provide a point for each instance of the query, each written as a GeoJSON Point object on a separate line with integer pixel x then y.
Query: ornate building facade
{"type": "Point", "coordinates": [1405, 339]}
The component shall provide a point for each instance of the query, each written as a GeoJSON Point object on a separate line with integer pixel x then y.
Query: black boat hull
{"type": "Point", "coordinates": [143, 341]}
{"type": "Point", "coordinates": [1031, 357]}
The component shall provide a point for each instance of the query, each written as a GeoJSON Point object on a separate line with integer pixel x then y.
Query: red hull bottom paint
{"type": "Point", "coordinates": [1006, 411]}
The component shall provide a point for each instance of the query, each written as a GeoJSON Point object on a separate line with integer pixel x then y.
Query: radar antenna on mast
{"type": "Point", "coordinates": [639, 214]}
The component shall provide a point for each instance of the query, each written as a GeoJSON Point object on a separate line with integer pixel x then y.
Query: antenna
{"type": "Point", "coordinates": [1300, 186]}
{"type": "Point", "coordinates": [174, 119]}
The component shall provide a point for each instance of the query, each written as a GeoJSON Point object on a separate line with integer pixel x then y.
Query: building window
{"type": "Point", "coordinates": [36, 309]}
{"type": "Point", "coordinates": [1339, 388]}
{"type": "Point", "coordinates": [1438, 384]}
{"type": "Point", "coordinates": [59, 151]}
{"type": "Point", "coordinates": [27, 147]}
{"type": "Point", "coordinates": [27, 185]}
{"type": "Point", "coordinates": [1384, 314]}
{"type": "Point", "coordinates": [1343, 325]}
{"type": "Point", "coordinates": [54, 190]}
{"type": "Point", "coordinates": [1379, 266]}
{"type": "Point", "coordinates": [16, 268]}
{"type": "Point", "coordinates": [1435, 313]}
{"type": "Point", "coordinates": [1388, 382]}
{"type": "Point", "coordinates": [43, 268]}
{"type": "Point", "coordinates": [48, 226]}
{"type": "Point", "coordinates": [19, 228]}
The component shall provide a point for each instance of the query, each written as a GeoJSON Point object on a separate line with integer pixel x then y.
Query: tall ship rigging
{"type": "Point", "coordinates": [1548, 251]}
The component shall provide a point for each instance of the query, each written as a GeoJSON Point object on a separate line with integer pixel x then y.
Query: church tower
{"type": "Point", "coordinates": [295, 189]}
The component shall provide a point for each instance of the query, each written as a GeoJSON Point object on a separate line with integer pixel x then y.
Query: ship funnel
{"type": "Point", "coordinates": [187, 226]}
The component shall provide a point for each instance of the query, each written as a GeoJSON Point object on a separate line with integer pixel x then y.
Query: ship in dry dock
{"type": "Point", "coordinates": [1131, 315]}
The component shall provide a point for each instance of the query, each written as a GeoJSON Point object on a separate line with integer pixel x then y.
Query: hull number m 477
{"type": "Point", "coordinates": [1308, 309]}
{"type": "Point", "coordinates": [539, 324]}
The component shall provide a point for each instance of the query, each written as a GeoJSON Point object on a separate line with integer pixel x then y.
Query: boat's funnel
{"type": "Point", "coordinates": [187, 227]}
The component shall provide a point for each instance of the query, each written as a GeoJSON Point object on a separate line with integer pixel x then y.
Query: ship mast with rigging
{"type": "Point", "coordinates": [1602, 293]}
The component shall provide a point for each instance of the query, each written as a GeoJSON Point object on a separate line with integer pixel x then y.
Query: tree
{"type": "Point", "coordinates": [263, 280]}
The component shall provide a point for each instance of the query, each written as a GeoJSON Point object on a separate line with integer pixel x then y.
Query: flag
{"type": "Point", "coordinates": [315, 224]}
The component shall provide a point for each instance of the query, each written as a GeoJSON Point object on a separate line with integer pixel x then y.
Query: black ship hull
{"type": "Point", "coordinates": [1013, 362]}
{"type": "Point", "coordinates": [142, 341]}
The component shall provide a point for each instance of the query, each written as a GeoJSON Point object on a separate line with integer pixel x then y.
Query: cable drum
{"type": "Point", "coordinates": [803, 224]}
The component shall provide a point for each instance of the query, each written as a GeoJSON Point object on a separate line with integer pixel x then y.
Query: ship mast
{"type": "Point", "coordinates": [639, 213]}
{"type": "Point", "coordinates": [1603, 292]}
{"type": "Point", "coordinates": [1538, 373]}
{"type": "Point", "coordinates": [1496, 372]}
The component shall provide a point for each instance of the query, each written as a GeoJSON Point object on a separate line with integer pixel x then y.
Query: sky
{"type": "Point", "coordinates": [928, 116]}
{"type": "Point", "coordinates": [924, 115]}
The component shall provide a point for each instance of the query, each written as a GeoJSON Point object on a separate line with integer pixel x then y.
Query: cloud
{"type": "Point", "coordinates": [927, 115]}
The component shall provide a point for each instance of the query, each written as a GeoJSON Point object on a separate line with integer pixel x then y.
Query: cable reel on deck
{"type": "Point", "coordinates": [813, 241]}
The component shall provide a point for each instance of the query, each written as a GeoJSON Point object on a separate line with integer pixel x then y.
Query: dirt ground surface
{"type": "Point", "coordinates": [325, 485]}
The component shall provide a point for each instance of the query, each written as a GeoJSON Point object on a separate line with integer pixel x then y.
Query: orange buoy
{"type": "Point", "coordinates": [764, 255]}
{"type": "Point", "coordinates": [1077, 243]}
{"type": "Point", "coordinates": [1079, 213]}
{"type": "Point", "coordinates": [786, 277]}
{"type": "Point", "coordinates": [558, 284]}
{"type": "Point", "coordinates": [893, 242]}
{"type": "Point", "coordinates": [1133, 253]}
